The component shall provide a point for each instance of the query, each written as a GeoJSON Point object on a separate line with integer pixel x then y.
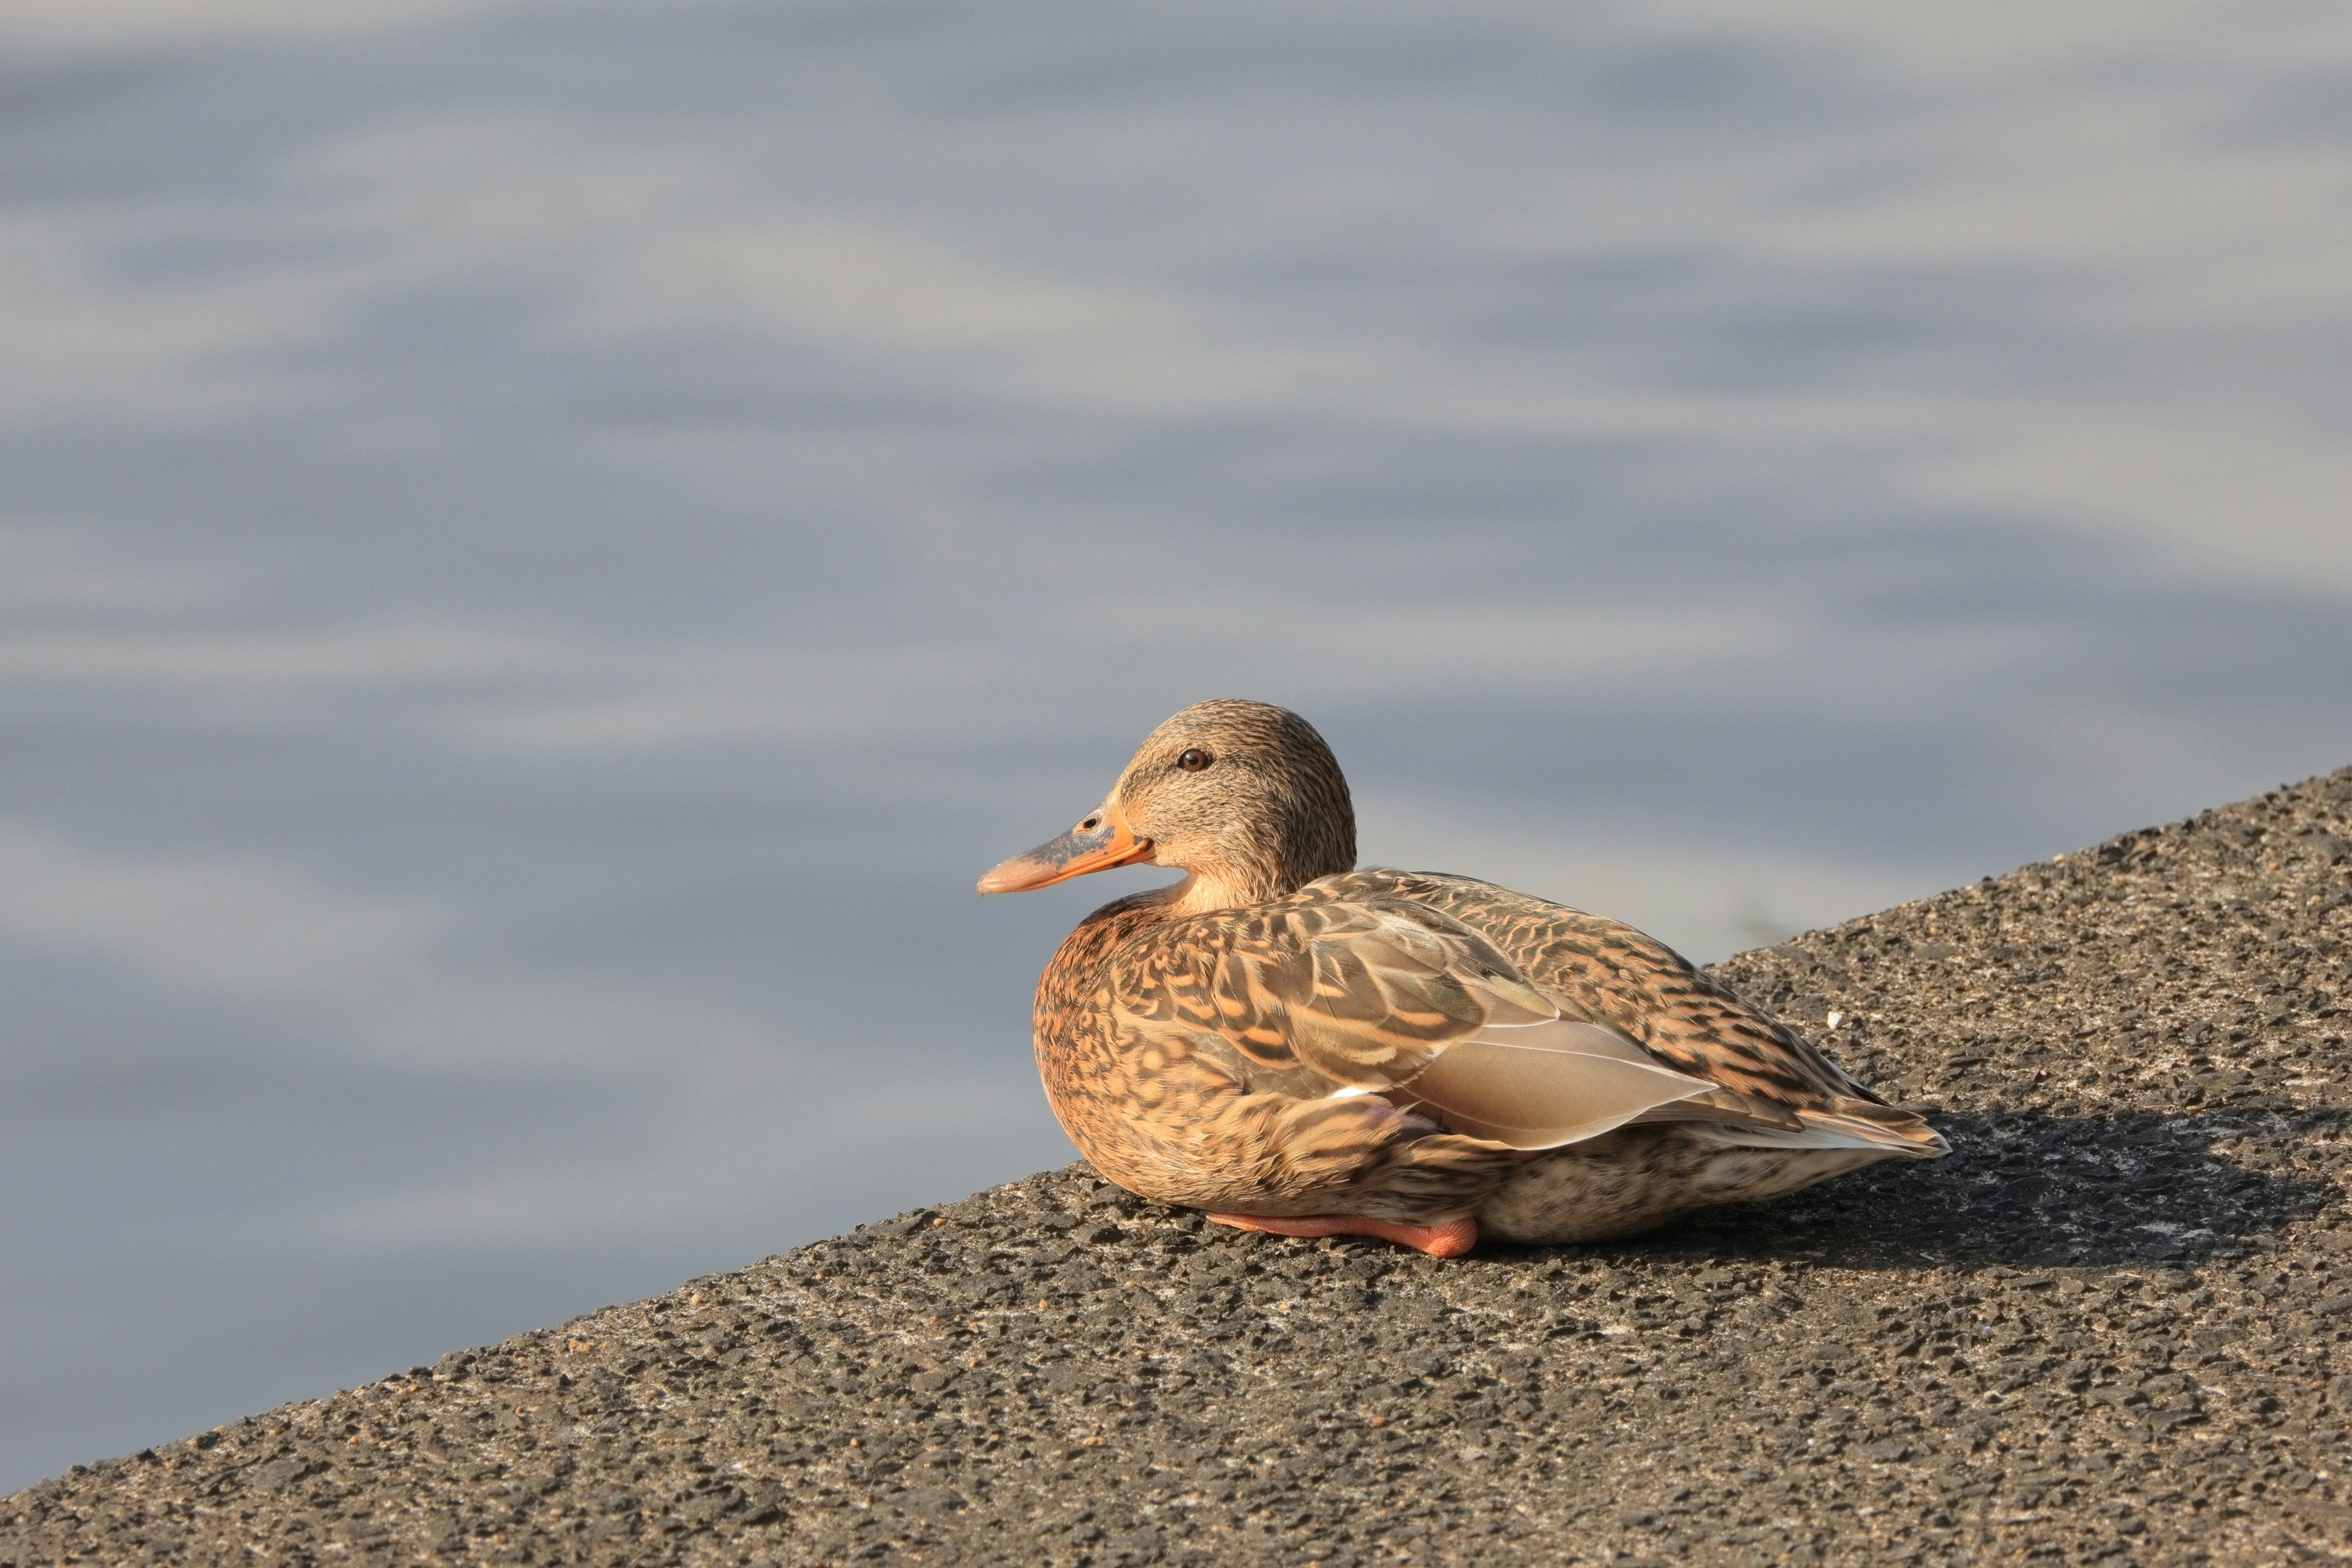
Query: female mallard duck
{"type": "Point", "coordinates": [1296, 1045]}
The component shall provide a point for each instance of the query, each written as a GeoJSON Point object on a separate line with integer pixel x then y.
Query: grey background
{"type": "Point", "coordinates": [542, 548]}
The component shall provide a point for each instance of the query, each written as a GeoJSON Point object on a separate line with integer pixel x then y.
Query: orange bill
{"type": "Point", "coordinates": [1101, 841]}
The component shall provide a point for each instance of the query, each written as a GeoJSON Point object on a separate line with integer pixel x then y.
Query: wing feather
{"type": "Point", "coordinates": [1533, 1095]}
{"type": "Point", "coordinates": [1607, 972]}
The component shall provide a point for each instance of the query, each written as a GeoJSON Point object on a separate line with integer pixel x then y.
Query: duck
{"type": "Point", "coordinates": [1292, 1044]}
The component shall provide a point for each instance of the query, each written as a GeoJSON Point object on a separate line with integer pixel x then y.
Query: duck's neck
{"type": "Point", "coordinates": [1205, 892]}
{"type": "Point", "coordinates": [1246, 876]}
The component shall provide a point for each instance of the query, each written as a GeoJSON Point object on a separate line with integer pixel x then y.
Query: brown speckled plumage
{"type": "Point", "coordinates": [1281, 1035]}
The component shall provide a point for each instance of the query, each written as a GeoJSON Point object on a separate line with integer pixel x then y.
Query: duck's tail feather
{"type": "Point", "coordinates": [1850, 1124]}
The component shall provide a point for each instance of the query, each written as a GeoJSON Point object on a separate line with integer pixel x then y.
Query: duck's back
{"type": "Point", "coordinates": [1605, 972]}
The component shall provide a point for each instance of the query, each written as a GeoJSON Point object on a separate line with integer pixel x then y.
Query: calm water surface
{"type": "Point", "coordinates": [544, 546]}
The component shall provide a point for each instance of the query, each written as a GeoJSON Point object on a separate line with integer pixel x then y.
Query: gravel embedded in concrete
{"type": "Point", "coordinates": [2115, 1326]}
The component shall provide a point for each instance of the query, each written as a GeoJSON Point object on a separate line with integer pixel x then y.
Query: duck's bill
{"type": "Point", "coordinates": [1100, 842]}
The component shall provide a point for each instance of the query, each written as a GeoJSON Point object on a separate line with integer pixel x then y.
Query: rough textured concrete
{"type": "Point", "coordinates": [2113, 1327]}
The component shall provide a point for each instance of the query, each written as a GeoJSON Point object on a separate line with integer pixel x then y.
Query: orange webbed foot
{"type": "Point", "coordinates": [1451, 1239]}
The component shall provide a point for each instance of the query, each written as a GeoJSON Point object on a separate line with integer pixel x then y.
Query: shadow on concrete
{"type": "Point", "coordinates": [2032, 1189]}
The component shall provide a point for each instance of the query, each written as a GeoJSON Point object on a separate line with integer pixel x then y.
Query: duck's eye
{"type": "Point", "coordinates": [1193, 761]}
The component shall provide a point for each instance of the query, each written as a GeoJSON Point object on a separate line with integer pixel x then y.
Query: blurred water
{"type": "Point", "coordinates": [543, 547]}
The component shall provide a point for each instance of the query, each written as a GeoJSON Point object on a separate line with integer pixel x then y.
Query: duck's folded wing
{"type": "Point", "coordinates": [1606, 971]}
{"type": "Point", "coordinates": [1401, 1001]}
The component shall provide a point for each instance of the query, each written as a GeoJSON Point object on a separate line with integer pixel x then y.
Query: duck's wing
{"type": "Point", "coordinates": [1606, 971]}
{"type": "Point", "coordinates": [1390, 998]}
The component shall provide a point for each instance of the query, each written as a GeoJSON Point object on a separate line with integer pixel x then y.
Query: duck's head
{"type": "Point", "coordinates": [1245, 797]}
